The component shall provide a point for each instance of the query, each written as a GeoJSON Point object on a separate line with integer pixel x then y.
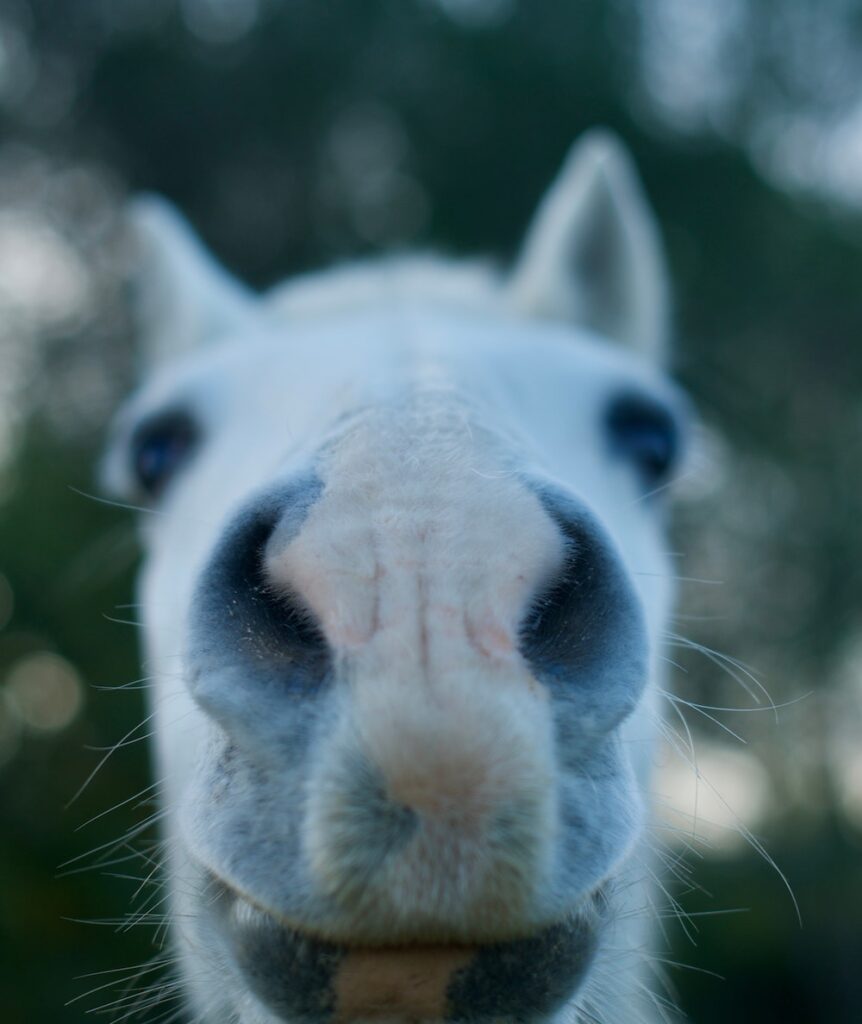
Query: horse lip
{"type": "Point", "coordinates": [233, 892]}
{"type": "Point", "coordinates": [298, 973]}
{"type": "Point", "coordinates": [594, 904]}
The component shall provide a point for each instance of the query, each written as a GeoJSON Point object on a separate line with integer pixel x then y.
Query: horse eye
{"type": "Point", "coordinates": [644, 432]}
{"type": "Point", "coordinates": [160, 446]}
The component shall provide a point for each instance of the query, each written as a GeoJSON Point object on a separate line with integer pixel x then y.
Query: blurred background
{"type": "Point", "coordinates": [297, 132]}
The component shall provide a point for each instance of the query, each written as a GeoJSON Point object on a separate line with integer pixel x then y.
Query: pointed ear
{"type": "Point", "coordinates": [182, 297]}
{"type": "Point", "coordinates": [593, 254]}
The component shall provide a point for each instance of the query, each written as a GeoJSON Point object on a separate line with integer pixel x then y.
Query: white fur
{"type": "Point", "coordinates": [427, 383]}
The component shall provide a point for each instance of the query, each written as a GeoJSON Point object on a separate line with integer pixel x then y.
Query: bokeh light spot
{"type": "Point", "coordinates": [850, 787]}
{"type": "Point", "coordinates": [220, 22]}
{"type": "Point", "coordinates": [45, 691]}
{"type": "Point", "coordinates": [41, 276]}
{"type": "Point", "coordinates": [478, 13]}
{"type": "Point", "coordinates": [715, 800]}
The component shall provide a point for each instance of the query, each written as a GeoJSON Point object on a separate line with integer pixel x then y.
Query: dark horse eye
{"type": "Point", "coordinates": [644, 432]}
{"type": "Point", "coordinates": [160, 446]}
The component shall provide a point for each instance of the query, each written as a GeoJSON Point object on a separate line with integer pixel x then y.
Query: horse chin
{"type": "Point", "coordinates": [299, 976]}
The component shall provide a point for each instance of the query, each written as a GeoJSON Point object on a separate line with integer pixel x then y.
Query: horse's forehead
{"type": "Point", "coordinates": [373, 356]}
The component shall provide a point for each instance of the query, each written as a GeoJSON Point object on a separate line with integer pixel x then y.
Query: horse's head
{"type": "Point", "coordinates": [403, 588]}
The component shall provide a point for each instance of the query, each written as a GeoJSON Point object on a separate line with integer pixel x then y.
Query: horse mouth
{"type": "Point", "coordinates": [300, 976]}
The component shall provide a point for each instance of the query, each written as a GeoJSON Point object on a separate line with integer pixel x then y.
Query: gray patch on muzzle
{"type": "Point", "coordinates": [525, 980]}
{"type": "Point", "coordinates": [239, 623]}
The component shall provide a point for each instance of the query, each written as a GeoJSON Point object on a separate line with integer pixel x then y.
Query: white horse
{"type": "Point", "coordinates": [403, 599]}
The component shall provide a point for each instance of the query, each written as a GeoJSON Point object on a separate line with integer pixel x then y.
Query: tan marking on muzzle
{"type": "Point", "coordinates": [460, 787]}
{"type": "Point", "coordinates": [397, 984]}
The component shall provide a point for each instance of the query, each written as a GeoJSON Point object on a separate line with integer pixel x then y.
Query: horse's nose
{"type": "Point", "coordinates": [427, 759]}
{"type": "Point", "coordinates": [253, 648]}
{"type": "Point", "coordinates": [581, 632]}
{"type": "Point", "coordinates": [584, 634]}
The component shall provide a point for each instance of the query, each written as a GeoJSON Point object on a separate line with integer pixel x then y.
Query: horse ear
{"type": "Point", "coordinates": [593, 254]}
{"type": "Point", "coordinates": [182, 297]}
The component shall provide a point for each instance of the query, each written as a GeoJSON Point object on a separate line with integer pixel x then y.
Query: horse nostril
{"type": "Point", "coordinates": [585, 632]}
{"type": "Point", "coordinates": [240, 625]}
